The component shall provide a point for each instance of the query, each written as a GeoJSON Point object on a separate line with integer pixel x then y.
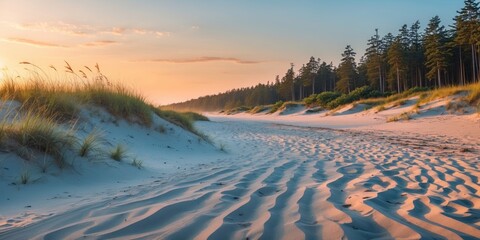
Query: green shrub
{"type": "Point", "coordinates": [310, 100]}
{"type": "Point", "coordinates": [276, 106]}
{"type": "Point", "coordinates": [355, 95]}
{"type": "Point", "coordinates": [326, 97]}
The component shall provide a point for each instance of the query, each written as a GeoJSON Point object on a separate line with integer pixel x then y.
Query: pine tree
{"type": "Point", "coordinates": [287, 85]}
{"type": "Point", "coordinates": [325, 76]}
{"type": "Point", "coordinates": [396, 60]}
{"type": "Point", "coordinates": [387, 41]}
{"type": "Point", "coordinates": [416, 53]}
{"type": "Point", "coordinates": [374, 60]}
{"type": "Point", "coordinates": [467, 24]}
{"type": "Point", "coordinates": [347, 71]}
{"type": "Point", "coordinates": [307, 74]}
{"type": "Point", "coordinates": [436, 50]}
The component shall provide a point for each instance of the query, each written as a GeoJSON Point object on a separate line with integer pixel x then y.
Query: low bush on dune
{"type": "Point", "coordinates": [276, 106]}
{"type": "Point", "coordinates": [355, 95]}
{"type": "Point", "coordinates": [323, 99]}
{"type": "Point", "coordinates": [310, 100]}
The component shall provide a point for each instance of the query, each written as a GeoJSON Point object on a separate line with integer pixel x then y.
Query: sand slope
{"type": "Point", "coordinates": [286, 182]}
{"type": "Point", "coordinates": [96, 177]}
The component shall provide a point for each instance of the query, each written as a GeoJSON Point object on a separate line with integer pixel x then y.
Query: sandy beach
{"type": "Point", "coordinates": [279, 181]}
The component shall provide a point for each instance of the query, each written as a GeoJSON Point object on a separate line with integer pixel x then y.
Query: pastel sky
{"type": "Point", "coordinates": [172, 51]}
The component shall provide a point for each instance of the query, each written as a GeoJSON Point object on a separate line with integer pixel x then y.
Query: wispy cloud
{"type": "Point", "coordinates": [100, 43]}
{"type": "Point", "coordinates": [84, 30]}
{"type": "Point", "coordinates": [56, 27]}
{"type": "Point", "coordinates": [204, 59]}
{"type": "Point", "coordinates": [143, 31]}
{"type": "Point", "coordinates": [114, 31]}
{"type": "Point", "coordinates": [34, 42]}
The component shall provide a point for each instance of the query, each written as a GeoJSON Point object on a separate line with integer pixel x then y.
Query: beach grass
{"type": "Point", "coordinates": [118, 153]}
{"type": "Point", "coordinates": [47, 108]}
{"type": "Point", "coordinates": [91, 145]}
{"type": "Point", "coordinates": [36, 132]}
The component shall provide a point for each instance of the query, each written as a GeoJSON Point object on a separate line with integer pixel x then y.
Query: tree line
{"type": "Point", "coordinates": [435, 57]}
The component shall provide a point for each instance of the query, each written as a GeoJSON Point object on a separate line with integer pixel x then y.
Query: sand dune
{"type": "Point", "coordinates": [285, 182]}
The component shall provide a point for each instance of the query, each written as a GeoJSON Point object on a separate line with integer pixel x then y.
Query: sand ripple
{"type": "Point", "coordinates": [283, 182]}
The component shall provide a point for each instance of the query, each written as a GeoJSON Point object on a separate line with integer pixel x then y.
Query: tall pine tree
{"type": "Point", "coordinates": [347, 71]}
{"type": "Point", "coordinates": [436, 50]}
{"type": "Point", "coordinates": [467, 24]}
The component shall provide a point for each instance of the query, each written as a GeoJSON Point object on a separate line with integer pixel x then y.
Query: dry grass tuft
{"type": "Point", "coordinates": [118, 153]}
{"type": "Point", "coordinates": [91, 145]}
{"type": "Point", "coordinates": [403, 116]}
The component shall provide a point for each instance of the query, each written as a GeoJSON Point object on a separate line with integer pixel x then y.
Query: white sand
{"type": "Point", "coordinates": [288, 177]}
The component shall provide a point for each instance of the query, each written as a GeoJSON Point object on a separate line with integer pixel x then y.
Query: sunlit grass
{"type": "Point", "coordinates": [37, 132]}
{"type": "Point", "coordinates": [64, 98]}
{"type": "Point", "coordinates": [39, 114]}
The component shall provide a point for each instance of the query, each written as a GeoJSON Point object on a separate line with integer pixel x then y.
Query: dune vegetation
{"type": "Point", "coordinates": [39, 114]}
{"type": "Point", "coordinates": [371, 98]}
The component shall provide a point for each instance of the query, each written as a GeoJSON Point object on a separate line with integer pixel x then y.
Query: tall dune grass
{"type": "Point", "coordinates": [31, 131]}
{"type": "Point", "coordinates": [48, 109]}
{"type": "Point", "coordinates": [63, 98]}
{"type": "Point", "coordinates": [472, 93]}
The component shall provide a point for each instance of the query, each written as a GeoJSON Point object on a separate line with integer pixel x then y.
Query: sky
{"type": "Point", "coordinates": [172, 51]}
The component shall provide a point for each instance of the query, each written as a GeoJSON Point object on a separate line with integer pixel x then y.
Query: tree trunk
{"type": "Point", "coordinates": [325, 85]}
{"type": "Point", "coordinates": [293, 91]}
{"type": "Point", "coordinates": [313, 86]}
{"type": "Point", "coordinates": [474, 76]}
{"type": "Point", "coordinates": [438, 76]}
{"type": "Point", "coordinates": [380, 79]}
{"type": "Point", "coordinates": [398, 80]}
{"type": "Point", "coordinates": [419, 76]}
{"type": "Point", "coordinates": [477, 63]}
{"type": "Point", "coordinates": [462, 82]}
